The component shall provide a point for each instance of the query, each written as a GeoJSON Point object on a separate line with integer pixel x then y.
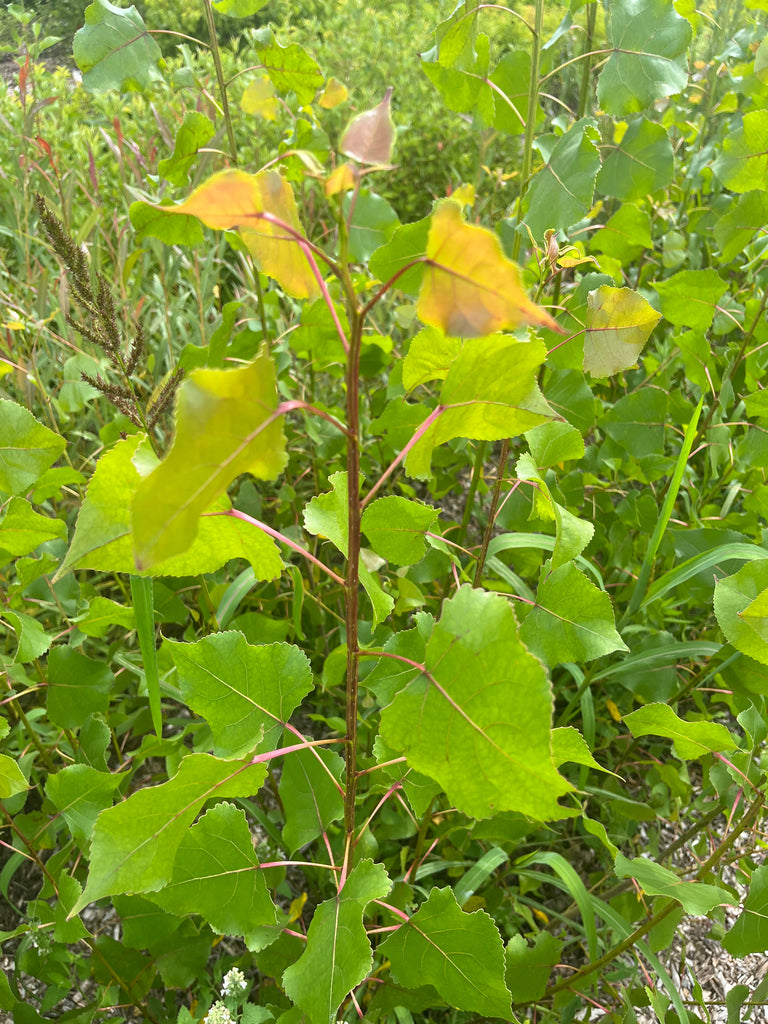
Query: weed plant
{"type": "Point", "coordinates": [383, 512]}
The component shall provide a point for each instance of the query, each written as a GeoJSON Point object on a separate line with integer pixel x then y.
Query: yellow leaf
{"type": "Point", "coordinates": [613, 710]}
{"type": "Point", "coordinates": [541, 915]}
{"type": "Point", "coordinates": [333, 94]}
{"type": "Point", "coordinates": [341, 180]}
{"type": "Point", "coordinates": [470, 288]}
{"type": "Point", "coordinates": [235, 199]}
{"type": "Point", "coordinates": [259, 98]}
{"type": "Point", "coordinates": [464, 194]}
{"type": "Point", "coordinates": [296, 907]}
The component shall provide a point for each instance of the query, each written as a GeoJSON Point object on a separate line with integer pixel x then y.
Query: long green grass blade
{"type": "Point", "coordinates": [144, 610]}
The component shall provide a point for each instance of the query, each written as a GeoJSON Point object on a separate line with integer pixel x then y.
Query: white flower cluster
{"type": "Point", "coordinates": [233, 983]}
{"type": "Point", "coordinates": [219, 1014]}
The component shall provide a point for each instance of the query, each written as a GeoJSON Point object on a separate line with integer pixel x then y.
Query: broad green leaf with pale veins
{"type": "Point", "coordinates": [733, 596]}
{"type": "Point", "coordinates": [80, 793]}
{"type": "Point", "coordinates": [477, 717]}
{"type": "Point", "coordinates": [568, 745]}
{"type": "Point", "coordinates": [338, 954]}
{"type": "Point", "coordinates": [22, 529]}
{"type": "Point", "coordinates": [692, 739]}
{"type": "Point", "coordinates": [290, 67]}
{"type": "Point", "coordinates": [311, 794]}
{"type": "Point", "coordinates": [648, 39]}
{"type": "Point", "coordinates": [619, 322]}
{"type": "Point", "coordinates": [461, 955]}
{"type": "Point", "coordinates": [11, 779]}
{"type": "Point", "coordinates": [27, 448]}
{"type": "Point", "coordinates": [235, 199]}
{"type": "Point", "coordinates": [246, 693]}
{"type": "Point", "coordinates": [103, 537]}
{"type": "Point", "coordinates": [571, 620]}
{"type": "Point", "coordinates": [641, 163]}
{"type": "Point", "coordinates": [528, 968]}
{"type": "Point", "coordinates": [742, 164]}
{"type": "Point", "coordinates": [114, 50]}
{"type": "Point", "coordinates": [429, 357]}
{"type": "Point", "coordinates": [750, 932]}
{"type": "Point", "coordinates": [77, 686]}
{"type": "Point", "coordinates": [216, 874]}
{"type": "Point", "coordinates": [395, 528]}
{"type": "Point", "coordinates": [470, 288]}
{"type": "Point", "coordinates": [696, 897]}
{"type": "Point", "coordinates": [689, 298]}
{"type": "Point", "coordinates": [489, 393]}
{"type": "Point", "coordinates": [195, 131]}
{"type": "Point", "coordinates": [561, 193]}
{"type": "Point", "coordinates": [224, 427]}
{"type": "Point", "coordinates": [327, 515]}
{"type": "Point", "coordinates": [135, 842]}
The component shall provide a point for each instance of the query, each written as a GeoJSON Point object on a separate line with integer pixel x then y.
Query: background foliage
{"type": "Point", "coordinates": [552, 744]}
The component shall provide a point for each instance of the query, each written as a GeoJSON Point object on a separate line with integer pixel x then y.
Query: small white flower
{"type": "Point", "coordinates": [219, 1014]}
{"type": "Point", "coordinates": [233, 983]}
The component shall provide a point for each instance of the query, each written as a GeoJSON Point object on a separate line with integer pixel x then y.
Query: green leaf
{"type": "Point", "coordinates": [27, 448]}
{"type": "Point", "coordinates": [561, 193]}
{"type": "Point", "coordinates": [163, 222]}
{"type": "Point", "coordinates": [238, 8]}
{"type": "Point", "coordinates": [407, 245]}
{"type": "Point", "coordinates": [373, 224]}
{"type": "Point", "coordinates": [568, 745]}
{"type": "Point", "coordinates": [641, 163]}
{"type": "Point", "coordinates": [477, 716]}
{"type": "Point", "coordinates": [571, 621]}
{"type": "Point", "coordinates": [554, 442]}
{"type": "Point", "coordinates": [395, 528]}
{"type": "Point", "coordinates": [22, 529]}
{"type": "Point", "coordinates": [690, 298]}
{"type": "Point", "coordinates": [103, 538]}
{"type": "Point", "coordinates": [114, 50]}
{"type": "Point", "coordinates": [311, 794]}
{"type": "Point", "coordinates": [692, 739]}
{"type": "Point", "coordinates": [649, 40]}
{"type": "Point", "coordinates": [102, 615]}
{"type": "Point", "coordinates": [461, 955]}
{"type": "Point", "coordinates": [327, 515]}
{"type": "Point", "coordinates": [196, 130]}
{"type": "Point", "coordinates": [741, 164]}
{"type": "Point", "coordinates": [290, 67]}
{"type": "Point", "coordinates": [338, 954]}
{"type": "Point", "coordinates": [736, 229]}
{"type": "Point", "coordinates": [529, 967]}
{"type": "Point", "coordinates": [317, 336]}
{"type": "Point", "coordinates": [80, 793]}
{"type": "Point", "coordinates": [512, 76]}
{"type": "Point", "coordinates": [625, 235]}
{"type": "Point", "coordinates": [77, 687]}
{"type": "Point", "coordinates": [135, 842]}
{"type": "Point", "coordinates": [696, 897]}
{"type": "Point", "coordinates": [225, 426]}
{"type": "Point", "coordinates": [216, 874]}
{"type": "Point", "coordinates": [246, 693]}
{"type": "Point", "coordinates": [12, 780]}
{"type": "Point", "coordinates": [571, 533]}
{"type": "Point", "coordinates": [31, 639]}
{"type": "Point", "coordinates": [750, 932]}
{"type": "Point", "coordinates": [619, 322]}
{"type": "Point", "coordinates": [429, 357]}
{"type": "Point", "coordinates": [733, 596]}
{"type": "Point", "coordinates": [489, 393]}
{"type": "Point", "coordinates": [144, 610]}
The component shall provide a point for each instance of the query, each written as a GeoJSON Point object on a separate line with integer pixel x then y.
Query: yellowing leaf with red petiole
{"type": "Point", "coordinates": [235, 199]}
{"type": "Point", "coordinates": [470, 288]}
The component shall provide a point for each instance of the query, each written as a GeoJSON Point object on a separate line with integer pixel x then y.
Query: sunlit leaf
{"type": "Point", "coordinates": [689, 298]}
{"type": "Point", "coordinates": [741, 166]}
{"type": "Point", "coordinates": [196, 131]}
{"type": "Point", "coordinates": [395, 528]}
{"type": "Point", "coordinates": [649, 40]}
{"type": "Point", "coordinates": [429, 357]}
{"type": "Point", "coordinates": [235, 199]}
{"type": "Point", "coordinates": [27, 448]}
{"type": "Point", "coordinates": [642, 162]}
{"type": "Point", "coordinates": [477, 718]}
{"type": "Point", "coordinates": [369, 136]}
{"type": "Point", "coordinates": [12, 780]}
{"type": "Point", "coordinates": [238, 8]}
{"type": "Point", "coordinates": [343, 179]}
{"type": "Point", "coordinates": [619, 322]}
{"type": "Point", "coordinates": [225, 426]}
{"type": "Point", "coordinates": [490, 392]}
{"type": "Point", "coordinates": [114, 50]}
{"type": "Point", "coordinates": [696, 897]}
{"type": "Point", "coordinates": [333, 94]}
{"type": "Point", "coordinates": [259, 98]}
{"type": "Point", "coordinates": [22, 529]}
{"type": "Point", "coordinates": [135, 842]}
{"type": "Point", "coordinates": [103, 534]}
{"type": "Point", "coordinates": [470, 288]}
{"type": "Point", "coordinates": [290, 67]}
{"type": "Point", "coordinates": [692, 739]}
{"type": "Point", "coordinates": [734, 596]}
